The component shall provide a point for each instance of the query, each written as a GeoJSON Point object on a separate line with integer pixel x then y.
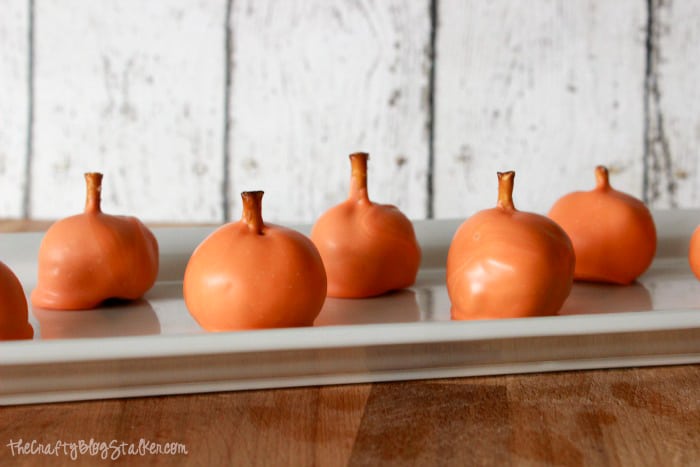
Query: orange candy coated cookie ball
{"type": "Point", "coordinates": [504, 263]}
{"type": "Point", "coordinates": [253, 275]}
{"type": "Point", "coordinates": [367, 248]}
{"type": "Point", "coordinates": [694, 253]}
{"type": "Point", "coordinates": [14, 322]}
{"type": "Point", "coordinates": [91, 257]}
{"type": "Point", "coordinates": [613, 233]}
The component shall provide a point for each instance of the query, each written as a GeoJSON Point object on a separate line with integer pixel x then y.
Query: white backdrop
{"type": "Point", "coordinates": [184, 103]}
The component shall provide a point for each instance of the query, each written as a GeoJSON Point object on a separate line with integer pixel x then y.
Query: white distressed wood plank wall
{"type": "Point", "coordinates": [14, 53]}
{"type": "Point", "coordinates": [674, 106]}
{"type": "Point", "coordinates": [314, 81]}
{"type": "Point", "coordinates": [134, 89]}
{"type": "Point", "coordinates": [139, 91]}
{"type": "Point", "coordinates": [547, 88]}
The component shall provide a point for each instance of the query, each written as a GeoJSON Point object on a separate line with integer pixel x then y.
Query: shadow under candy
{"type": "Point", "coordinates": [113, 318]}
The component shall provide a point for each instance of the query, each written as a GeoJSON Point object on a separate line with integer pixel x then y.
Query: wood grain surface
{"type": "Point", "coordinates": [613, 417]}
{"type": "Point", "coordinates": [312, 82]}
{"type": "Point", "coordinates": [549, 91]}
{"type": "Point", "coordinates": [14, 105]}
{"type": "Point", "coordinates": [134, 90]}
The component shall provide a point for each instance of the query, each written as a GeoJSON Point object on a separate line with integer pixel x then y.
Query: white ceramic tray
{"type": "Point", "coordinates": [154, 347]}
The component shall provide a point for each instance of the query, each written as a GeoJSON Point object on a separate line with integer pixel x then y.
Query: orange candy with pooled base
{"type": "Point", "coordinates": [613, 233]}
{"type": "Point", "coordinates": [504, 263]}
{"type": "Point", "coordinates": [92, 257]}
{"type": "Point", "coordinates": [368, 248]}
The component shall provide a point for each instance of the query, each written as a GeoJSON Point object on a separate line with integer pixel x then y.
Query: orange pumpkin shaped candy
{"type": "Point", "coordinates": [504, 263]}
{"type": "Point", "coordinates": [252, 275]}
{"type": "Point", "coordinates": [14, 321]}
{"type": "Point", "coordinates": [694, 253]}
{"type": "Point", "coordinates": [92, 257]}
{"type": "Point", "coordinates": [368, 249]}
{"type": "Point", "coordinates": [613, 233]}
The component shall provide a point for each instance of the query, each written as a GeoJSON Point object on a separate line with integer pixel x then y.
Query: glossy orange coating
{"type": "Point", "coordinates": [694, 253]}
{"type": "Point", "coordinates": [253, 275]}
{"type": "Point", "coordinates": [613, 233]}
{"type": "Point", "coordinates": [504, 263]}
{"type": "Point", "coordinates": [91, 257]}
{"type": "Point", "coordinates": [14, 321]}
{"type": "Point", "coordinates": [368, 248]}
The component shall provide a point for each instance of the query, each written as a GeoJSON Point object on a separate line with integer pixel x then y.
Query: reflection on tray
{"type": "Point", "coordinates": [592, 298]}
{"type": "Point", "coordinates": [668, 286]}
{"type": "Point", "coordinates": [114, 318]}
{"type": "Point", "coordinates": [396, 307]}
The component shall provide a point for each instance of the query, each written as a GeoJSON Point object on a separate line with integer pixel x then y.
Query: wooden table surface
{"type": "Point", "coordinates": [639, 416]}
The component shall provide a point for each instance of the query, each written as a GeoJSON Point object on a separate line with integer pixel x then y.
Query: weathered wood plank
{"type": "Point", "coordinates": [135, 90]}
{"type": "Point", "coordinates": [673, 136]}
{"type": "Point", "coordinates": [14, 106]}
{"type": "Point", "coordinates": [546, 88]}
{"type": "Point", "coordinates": [314, 81]}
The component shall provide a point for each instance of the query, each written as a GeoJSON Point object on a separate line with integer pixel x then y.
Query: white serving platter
{"type": "Point", "coordinates": [154, 347]}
